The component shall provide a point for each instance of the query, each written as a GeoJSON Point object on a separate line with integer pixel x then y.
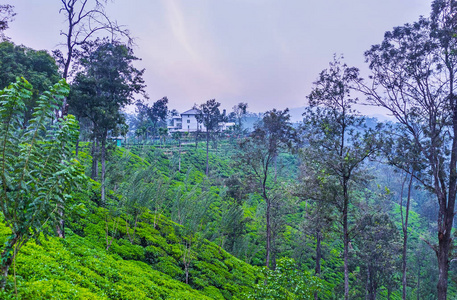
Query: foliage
{"type": "Point", "coordinates": [210, 116]}
{"type": "Point", "coordinates": [37, 169]}
{"type": "Point", "coordinates": [38, 67]}
{"type": "Point", "coordinates": [413, 77]}
{"type": "Point", "coordinates": [78, 268]}
{"type": "Point", "coordinates": [338, 141]}
{"type": "Point", "coordinates": [286, 282]}
{"type": "Point", "coordinates": [378, 251]}
{"type": "Point", "coordinates": [107, 83]}
{"type": "Point", "coordinates": [150, 116]}
{"type": "Point", "coordinates": [6, 16]}
{"type": "Point", "coordinates": [84, 21]}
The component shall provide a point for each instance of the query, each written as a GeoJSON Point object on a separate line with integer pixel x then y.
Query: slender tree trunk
{"type": "Point", "coordinates": [405, 232]}
{"type": "Point", "coordinates": [346, 238]}
{"type": "Point", "coordinates": [103, 158]}
{"type": "Point", "coordinates": [207, 152]}
{"type": "Point", "coordinates": [371, 285]}
{"type": "Point", "coordinates": [317, 269]}
{"type": "Point", "coordinates": [276, 167]}
{"type": "Point", "coordinates": [7, 257]}
{"type": "Point", "coordinates": [268, 247]}
{"type": "Point", "coordinates": [179, 159]}
{"type": "Point", "coordinates": [418, 280]}
{"type": "Point", "coordinates": [94, 174]}
{"type": "Point", "coordinates": [60, 228]}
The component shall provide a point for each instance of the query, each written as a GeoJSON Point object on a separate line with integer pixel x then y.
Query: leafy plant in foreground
{"type": "Point", "coordinates": [36, 169]}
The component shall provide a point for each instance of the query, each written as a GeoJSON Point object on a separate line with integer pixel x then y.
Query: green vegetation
{"type": "Point", "coordinates": [336, 207]}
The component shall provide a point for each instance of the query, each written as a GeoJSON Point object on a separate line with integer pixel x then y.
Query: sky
{"type": "Point", "coordinates": [263, 52]}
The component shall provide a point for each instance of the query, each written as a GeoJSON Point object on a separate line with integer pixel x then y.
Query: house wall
{"type": "Point", "coordinates": [190, 124]}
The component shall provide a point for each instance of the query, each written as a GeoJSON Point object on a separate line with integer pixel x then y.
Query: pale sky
{"type": "Point", "coordinates": [263, 52]}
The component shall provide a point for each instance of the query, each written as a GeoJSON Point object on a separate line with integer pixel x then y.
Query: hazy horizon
{"type": "Point", "coordinates": [262, 52]}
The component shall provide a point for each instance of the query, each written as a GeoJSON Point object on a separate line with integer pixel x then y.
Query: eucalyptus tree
{"type": "Point", "coordinates": [257, 154]}
{"type": "Point", "coordinates": [413, 76]}
{"type": "Point", "coordinates": [337, 139]}
{"type": "Point", "coordinates": [37, 171]}
{"type": "Point", "coordinates": [402, 152]}
{"type": "Point", "coordinates": [107, 84]}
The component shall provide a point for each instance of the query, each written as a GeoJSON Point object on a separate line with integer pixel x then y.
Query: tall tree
{"type": "Point", "coordinates": [37, 172]}
{"type": "Point", "coordinates": [85, 19]}
{"type": "Point", "coordinates": [210, 116]}
{"type": "Point", "coordinates": [337, 139]}
{"type": "Point", "coordinates": [257, 153]}
{"type": "Point", "coordinates": [318, 190]}
{"type": "Point", "coordinates": [413, 77]}
{"type": "Point", "coordinates": [108, 83]}
{"type": "Point", "coordinates": [402, 152]}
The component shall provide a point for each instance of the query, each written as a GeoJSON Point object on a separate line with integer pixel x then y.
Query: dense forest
{"type": "Point", "coordinates": [101, 203]}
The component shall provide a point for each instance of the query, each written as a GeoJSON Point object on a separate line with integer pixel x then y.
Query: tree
{"type": "Point", "coordinates": [337, 139]}
{"type": "Point", "coordinates": [210, 116]}
{"type": "Point", "coordinates": [413, 77]}
{"type": "Point", "coordinates": [318, 190]}
{"type": "Point", "coordinates": [107, 83]}
{"type": "Point", "coordinates": [86, 18]}
{"type": "Point", "coordinates": [37, 170]}
{"type": "Point", "coordinates": [189, 209]}
{"type": "Point", "coordinates": [257, 154]}
{"type": "Point", "coordinates": [240, 110]}
{"type": "Point", "coordinates": [377, 249]}
{"type": "Point", "coordinates": [163, 134]}
{"type": "Point", "coordinates": [37, 66]}
{"type": "Point", "coordinates": [144, 190]}
{"type": "Point", "coordinates": [6, 16]}
{"type": "Point", "coordinates": [401, 151]}
{"type": "Point", "coordinates": [153, 115]}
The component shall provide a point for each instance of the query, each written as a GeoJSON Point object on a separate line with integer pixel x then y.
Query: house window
{"type": "Point", "coordinates": [188, 121]}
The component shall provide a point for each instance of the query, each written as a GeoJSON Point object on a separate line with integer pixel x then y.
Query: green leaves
{"type": "Point", "coordinates": [37, 170]}
{"type": "Point", "coordinates": [286, 282]}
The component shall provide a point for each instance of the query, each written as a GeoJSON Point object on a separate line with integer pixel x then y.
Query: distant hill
{"type": "Point", "coordinates": [296, 115]}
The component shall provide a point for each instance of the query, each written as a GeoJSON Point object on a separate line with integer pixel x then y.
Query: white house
{"type": "Point", "coordinates": [187, 122]}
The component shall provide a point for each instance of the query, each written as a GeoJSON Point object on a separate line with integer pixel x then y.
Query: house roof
{"type": "Point", "coordinates": [192, 111]}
